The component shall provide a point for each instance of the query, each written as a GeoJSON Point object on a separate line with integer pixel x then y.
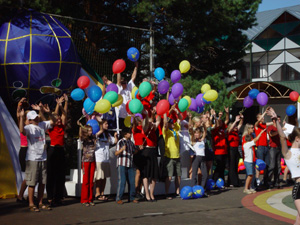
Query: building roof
{"type": "Point", "coordinates": [265, 18]}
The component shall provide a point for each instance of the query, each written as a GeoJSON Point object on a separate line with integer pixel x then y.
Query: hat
{"type": "Point", "coordinates": [31, 115]}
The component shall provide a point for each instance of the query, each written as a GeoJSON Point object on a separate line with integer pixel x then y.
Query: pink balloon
{"type": "Point", "coordinates": [177, 90]}
{"type": "Point", "coordinates": [262, 98]}
{"type": "Point", "coordinates": [175, 76]}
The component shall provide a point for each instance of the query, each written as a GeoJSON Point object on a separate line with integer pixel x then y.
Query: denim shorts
{"type": "Point", "coordinates": [249, 168]}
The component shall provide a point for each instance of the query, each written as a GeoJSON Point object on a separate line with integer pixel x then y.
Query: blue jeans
{"type": "Point", "coordinates": [126, 174]}
{"type": "Point", "coordinates": [263, 153]}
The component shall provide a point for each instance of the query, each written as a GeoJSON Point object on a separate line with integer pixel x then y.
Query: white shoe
{"type": "Point", "coordinates": [247, 191]}
{"type": "Point", "coordinates": [252, 191]}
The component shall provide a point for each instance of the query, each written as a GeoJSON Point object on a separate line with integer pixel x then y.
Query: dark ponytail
{"type": "Point", "coordinates": [292, 136]}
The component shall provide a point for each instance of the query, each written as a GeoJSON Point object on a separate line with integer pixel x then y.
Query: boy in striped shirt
{"type": "Point", "coordinates": [125, 151]}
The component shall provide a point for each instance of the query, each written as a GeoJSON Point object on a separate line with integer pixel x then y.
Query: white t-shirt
{"type": "Point", "coordinates": [102, 148]}
{"type": "Point", "coordinates": [248, 152]}
{"type": "Point", "coordinates": [184, 137]}
{"type": "Point", "coordinates": [199, 148]}
{"type": "Point", "coordinates": [36, 141]}
{"type": "Point", "coordinates": [126, 94]}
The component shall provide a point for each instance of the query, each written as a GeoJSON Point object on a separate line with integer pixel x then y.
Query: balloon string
{"type": "Point", "coordinates": [285, 118]}
{"type": "Point", "coordinates": [81, 117]}
{"type": "Point", "coordinates": [243, 110]}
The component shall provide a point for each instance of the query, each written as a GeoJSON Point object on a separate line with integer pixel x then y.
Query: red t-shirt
{"type": "Point", "coordinates": [219, 141]}
{"type": "Point", "coordinates": [274, 141]}
{"type": "Point", "coordinates": [57, 135]}
{"type": "Point", "coordinates": [253, 149]}
{"type": "Point", "coordinates": [146, 102]}
{"type": "Point", "coordinates": [138, 135]}
{"type": "Point", "coordinates": [151, 138]}
{"type": "Point", "coordinates": [262, 141]}
{"type": "Point", "coordinates": [289, 144]}
{"type": "Point", "coordinates": [233, 138]}
{"type": "Point", "coordinates": [160, 126]}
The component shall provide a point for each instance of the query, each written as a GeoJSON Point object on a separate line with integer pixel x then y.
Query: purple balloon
{"type": "Point", "coordinates": [163, 87]}
{"type": "Point", "coordinates": [177, 90]}
{"type": "Point", "coordinates": [112, 87]}
{"type": "Point", "coordinates": [175, 76]}
{"type": "Point", "coordinates": [172, 99]}
{"type": "Point", "coordinates": [137, 114]}
{"type": "Point", "coordinates": [199, 100]}
{"type": "Point", "coordinates": [248, 102]}
{"type": "Point", "coordinates": [262, 98]}
{"type": "Point", "coordinates": [193, 106]}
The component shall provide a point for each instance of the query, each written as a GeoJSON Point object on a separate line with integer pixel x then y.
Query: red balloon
{"type": "Point", "coordinates": [83, 82]}
{"type": "Point", "coordinates": [127, 107]}
{"type": "Point", "coordinates": [294, 96]}
{"type": "Point", "coordinates": [162, 107]}
{"type": "Point", "coordinates": [183, 114]}
{"type": "Point", "coordinates": [119, 66]}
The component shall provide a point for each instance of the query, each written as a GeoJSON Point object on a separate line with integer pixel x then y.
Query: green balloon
{"type": "Point", "coordinates": [111, 96]}
{"type": "Point", "coordinates": [145, 88]}
{"type": "Point", "coordinates": [183, 104]}
{"type": "Point", "coordinates": [135, 106]}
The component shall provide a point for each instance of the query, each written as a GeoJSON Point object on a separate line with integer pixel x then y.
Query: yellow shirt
{"type": "Point", "coordinates": [171, 143]}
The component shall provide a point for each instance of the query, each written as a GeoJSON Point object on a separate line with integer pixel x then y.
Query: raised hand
{"type": "Point", "coordinates": [66, 97]}
{"type": "Point", "coordinates": [237, 118]}
{"type": "Point", "coordinates": [36, 107]}
{"type": "Point", "coordinates": [226, 109]}
{"type": "Point", "coordinates": [46, 108]}
{"type": "Point", "coordinates": [22, 113]}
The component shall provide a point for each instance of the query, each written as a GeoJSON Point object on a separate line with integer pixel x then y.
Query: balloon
{"type": "Point", "coordinates": [111, 96]}
{"type": "Point", "coordinates": [248, 102]}
{"type": "Point", "coordinates": [290, 110]}
{"type": "Point", "coordinates": [136, 106]}
{"type": "Point", "coordinates": [183, 104]}
{"type": "Point", "coordinates": [294, 96]}
{"type": "Point", "coordinates": [163, 87]}
{"type": "Point", "coordinates": [253, 93]}
{"type": "Point", "coordinates": [145, 88]}
{"type": "Point", "coordinates": [133, 54]}
{"type": "Point", "coordinates": [199, 100]}
{"type": "Point", "coordinates": [200, 109]}
{"type": "Point", "coordinates": [175, 76]}
{"type": "Point", "coordinates": [188, 98]}
{"type": "Point", "coordinates": [299, 99]}
{"type": "Point", "coordinates": [198, 191]}
{"type": "Point", "coordinates": [77, 94]}
{"type": "Point", "coordinates": [260, 164]}
{"type": "Point", "coordinates": [119, 66]}
{"type": "Point", "coordinates": [193, 106]}
{"type": "Point", "coordinates": [134, 89]}
{"type": "Point", "coordinates": [139, 115]}
{"type": "Point", "coordinates": [205, 101]}
{"type": "Point", "coordinates": [220, 183]}
{"type": "Point", "coordinates": [210, 184]}
{"type": "Point", "coordinates": [162, 107]}
{"type": "Point", "coordinates": [94, 93]}
{"type": "Point", "coordinates": [262, 98]}
{"type": "Point", "coordinates": [127, 121]}
{"type": "Point", "coordinates": [94, 124]}
{"type": "Point", "coordinates": [127, 107]}
{"type": "Point", "coordinates": [186, 192]}
{"type": "Point", "coordinates": [118, 102]}
{"type": "Point", "coordinates": [184, 66]}
{"type": "Point", "coordinates": [177, 90]}
{"type": "Point", "coordinates": [159, 73]}
{"type": "Point", "coordinates": [172, 99]}
{"type": "Point", "coordinates": [102, 106]}
{"type": "Point", "coordinates": [83, 82]}
{"type": "Point", "coordinates": [89, 106]}
{"type": "Point", "coordinates": [112, 87]}
{"type": "Point", "coordinates": [211, 95]}
{"type": "Point", "coordinates": [205, 88]}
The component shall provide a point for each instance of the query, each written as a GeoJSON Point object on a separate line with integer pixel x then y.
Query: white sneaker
{"type": "Point", "coordinates": [252, 191]}
{"type": "Point", "coordinates": [247, 191]}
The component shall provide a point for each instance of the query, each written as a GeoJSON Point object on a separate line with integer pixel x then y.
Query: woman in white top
{"type": "Point", "coordinates": [104, 139]}
{"type": "Point", "coordinates": [291, 157]}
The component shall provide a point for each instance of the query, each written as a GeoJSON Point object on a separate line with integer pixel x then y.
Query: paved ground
{"type": "Point", "coordinates": [224, 207]}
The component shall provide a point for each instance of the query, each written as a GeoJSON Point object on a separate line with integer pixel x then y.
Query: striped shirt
{"type": "Point", "coordinates": [126, 157]}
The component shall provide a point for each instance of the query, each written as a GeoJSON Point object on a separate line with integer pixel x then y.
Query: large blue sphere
{"type": "Point", "coordinates": [198, 191]}
{"type": "Point", "coordinates": [35, 50]}
{"type": "Point", "coordinates": [260, 164]}
{"type": "Point", "coordinates": [220, 183]}
{"type": "Point", "coordinates": [210, 184]}
{"type": "Point", "coordinates": [133, 54]}
{"type": "Point", "coordinates": [186, 192]}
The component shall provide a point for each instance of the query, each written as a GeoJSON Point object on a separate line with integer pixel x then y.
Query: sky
{"type": "Point", "coordinates": [275, 4]}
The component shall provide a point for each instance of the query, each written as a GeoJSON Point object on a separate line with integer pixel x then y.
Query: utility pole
{"type": "Point", "coordinates": [151, 51]}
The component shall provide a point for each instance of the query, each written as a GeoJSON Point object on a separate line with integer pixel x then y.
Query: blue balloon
{"type": "Point", "coordinates": [290, 110]}
{"type": "Point", "coordinates": [77, 94]}
{"type": "Point", "coordinates": [133, 54]}
{"type": "Point", "coordinates": [253, 93]}
{"type": "Point", "coordinates": [210, 184]}
{"type": "Point", "coordinates": [220, 183]}
{"type": "Point", "coordinates": [200, 109]}
{"type": "Point", "coordinates": [159, 73]}
{"type": "Point", "coordinates": [89, 106]}
{"type": "Point", "coordinates": [94, 124]}
{"type": "Point", "coordinates": [198, 191]}
{"type": "Point", "coordinates": [260, 164]}
{"type": "Point", "coordinates": [94, 93]}
{"type": "Point", "coordinates": [186, 192]}
{"type": "Point", "coordinates": [205, 101]}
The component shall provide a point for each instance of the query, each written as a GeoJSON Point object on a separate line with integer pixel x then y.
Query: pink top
{"type": "Point", "coordinates": [24, 142]}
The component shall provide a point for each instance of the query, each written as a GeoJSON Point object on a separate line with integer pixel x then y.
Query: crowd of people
{"type": "Point", "coordinates": [212, 143]}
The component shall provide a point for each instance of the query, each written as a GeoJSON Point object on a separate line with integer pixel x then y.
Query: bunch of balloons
{"type": "Point", "coordinates": [261, 98]}
{"type": "Point", "coordinates": [291, 109]}
{"type": "Point", "coordinates": [241, 165]}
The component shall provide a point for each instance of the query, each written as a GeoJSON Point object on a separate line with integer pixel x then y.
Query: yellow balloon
{"type": "Point", "coordinates": [205, 88]}
{"type": "Point", "coordinates": [118, 102]}
{"type": "Point", "coordinates": [299, 99]}
{"type": "Point", "coordinates": [184, 66]}
{"type": "Point", "coordinates": [210, 95]}
{"type": "Point", "coordinates": [102, 106]}
{"type": "Point", "coordinates": [127, 121]}
{"type": "Point", "coordinates": [188, 99]}
{"type": "Point", "coordinates": [133, 92]}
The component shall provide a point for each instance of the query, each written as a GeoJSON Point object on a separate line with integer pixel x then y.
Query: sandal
{"type": "Point", "coordinates": [102, 198]}
{"type": "Point", "coordinates": [92, 204]}
{"type": "Point", "coordinates": [45, 207]}
{"type": "Point", "coordinates": [33, 208]}
{"type": "Point", "coordinates": [86, 204]}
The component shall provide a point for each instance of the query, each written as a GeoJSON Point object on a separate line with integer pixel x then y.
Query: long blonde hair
{"type": "Point", "coordinates": [246, 129]}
